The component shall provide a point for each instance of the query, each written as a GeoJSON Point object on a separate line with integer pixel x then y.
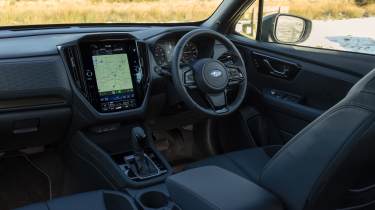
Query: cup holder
{"type": "Point", "coordinates": [117, 200]}
{"type": "Point", "coordinates": [154, 200]}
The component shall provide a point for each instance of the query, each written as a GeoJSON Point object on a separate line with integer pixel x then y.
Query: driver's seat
{"type": "Point", "coordinates": [319, 165]}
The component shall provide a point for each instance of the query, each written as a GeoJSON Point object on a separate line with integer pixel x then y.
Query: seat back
{"type": "Point", "coordinates": [318, 166]}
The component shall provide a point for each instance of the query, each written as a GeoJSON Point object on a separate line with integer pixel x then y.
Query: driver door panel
{"type": "Point", "coordinates": [298, 84]}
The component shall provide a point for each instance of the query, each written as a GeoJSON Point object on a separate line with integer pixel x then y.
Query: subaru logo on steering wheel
{"type": "Point", "coordinates": [216, 73]}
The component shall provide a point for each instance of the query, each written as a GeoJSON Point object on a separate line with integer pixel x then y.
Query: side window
{"type": "Point", "coordinates": [344, 25]}
{"type": "Point", "coordinates": [248, 24]}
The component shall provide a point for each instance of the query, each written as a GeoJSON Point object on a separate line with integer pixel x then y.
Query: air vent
{"type": "Point", "coordinates": [76, 70]}
{"type": "Point", "coordinates": [143, 58]}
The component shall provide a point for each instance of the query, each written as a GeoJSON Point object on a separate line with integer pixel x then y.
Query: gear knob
{"type": "Point", "coordinates": [138, 137]}
{"type": "Point", "coordinates": [138, 133]}
{"type": "Point", "coordinates": [139, 141]}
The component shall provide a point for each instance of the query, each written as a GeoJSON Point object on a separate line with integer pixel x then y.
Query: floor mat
{"type": "Point", "coordinates": [21, 183]}
{"type": "Point", "coordinates": [176, 145]}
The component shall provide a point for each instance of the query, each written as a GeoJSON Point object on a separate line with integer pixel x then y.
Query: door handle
{"type": "Point", "coordinates": [283, 73]}
{"type": "Point", "coordinates": [276, 67]}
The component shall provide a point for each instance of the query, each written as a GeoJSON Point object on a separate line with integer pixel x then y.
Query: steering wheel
{"type": "Point", "coordinates": [210, 77]}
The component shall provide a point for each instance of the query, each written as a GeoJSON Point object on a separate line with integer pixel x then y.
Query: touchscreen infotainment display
{"type": "Point", "coordinates": [112, 74]}
{"type": "Point", "coordinates": [112, 65]}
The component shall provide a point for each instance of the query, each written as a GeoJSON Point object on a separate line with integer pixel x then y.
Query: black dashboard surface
{"type": "Point", "coordinates": [30, 43]}
{"type": "Point", "coordinates": [39, 100]}
{"type": "Point", "coordinates": [39, 96]}
{"type": "Point", "coordinates": [35, 73]}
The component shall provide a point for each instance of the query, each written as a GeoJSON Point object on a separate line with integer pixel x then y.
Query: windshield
{"type": "Point", "coordinates": [43, 12]}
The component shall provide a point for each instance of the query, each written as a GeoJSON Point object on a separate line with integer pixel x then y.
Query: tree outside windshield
{"type": "Point", "coordinates": [40, 12]}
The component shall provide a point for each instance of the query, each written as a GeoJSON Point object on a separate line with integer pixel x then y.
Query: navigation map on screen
{"type": "Point", "coordinates": [112, 73]}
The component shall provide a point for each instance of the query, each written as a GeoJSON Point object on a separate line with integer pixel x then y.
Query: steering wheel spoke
{"type": "Point", "coordinates": [235, 75]}
{"type": "Point", "coordinates": [218, 101]}
{"type": "Point", "coordinates": [188, 77]}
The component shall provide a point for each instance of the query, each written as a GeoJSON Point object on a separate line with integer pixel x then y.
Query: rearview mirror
{"type": "Point", "coordinates": [286, 29]}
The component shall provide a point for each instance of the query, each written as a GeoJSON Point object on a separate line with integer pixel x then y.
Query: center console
{"type": "Point", "coordinates": [141, 163]}
{"type": "Point", "coordinates": [123, 158]}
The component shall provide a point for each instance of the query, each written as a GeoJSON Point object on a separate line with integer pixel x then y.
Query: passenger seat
{"type": "Point", "coordinates": [97, 200]}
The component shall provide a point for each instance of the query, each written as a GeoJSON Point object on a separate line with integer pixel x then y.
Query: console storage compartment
{"type": "Point", "coordinates": [211, 187]}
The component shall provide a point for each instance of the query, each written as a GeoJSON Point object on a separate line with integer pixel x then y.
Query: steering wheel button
{"type": "Point", "coordinates": [189, 77]}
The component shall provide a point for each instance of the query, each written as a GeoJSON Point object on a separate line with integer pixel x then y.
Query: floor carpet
{"type": "Point", "coordinates": [21, 183]}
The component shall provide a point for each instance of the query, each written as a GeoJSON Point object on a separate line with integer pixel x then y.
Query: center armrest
{"type": "Point", "coordinates": [211, 187]}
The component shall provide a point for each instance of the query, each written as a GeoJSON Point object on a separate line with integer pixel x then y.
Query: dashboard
{"type": "Point", "coordinates": [103, 73]}
{"type": "Point", "coordinates": [78, 78]}
{"type": "Point", "coordinates": [112, 71]}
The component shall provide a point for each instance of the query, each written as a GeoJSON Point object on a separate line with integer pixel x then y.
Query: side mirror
{"type": "Point", "coordinates": [285, 29]}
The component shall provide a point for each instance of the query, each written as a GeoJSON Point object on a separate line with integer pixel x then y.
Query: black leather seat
{"type": "Point", "coordinates": [319, 165]}
{"type": "Point", "coordinates": [97, 200]}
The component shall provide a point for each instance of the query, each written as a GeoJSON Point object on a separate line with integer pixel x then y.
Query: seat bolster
{"type": "Point", "coordinates": [250, 161]}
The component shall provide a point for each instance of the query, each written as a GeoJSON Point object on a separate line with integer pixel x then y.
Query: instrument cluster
{"type": "Point", "coordinates": [163, 52]}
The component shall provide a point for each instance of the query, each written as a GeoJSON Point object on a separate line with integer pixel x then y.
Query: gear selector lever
{"type": "Point", "coordinates": [138, 138]}
{"type": "Point", "coordinates": [142, 166]}
{"type": "Point", "coordinates": [141, 161]}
